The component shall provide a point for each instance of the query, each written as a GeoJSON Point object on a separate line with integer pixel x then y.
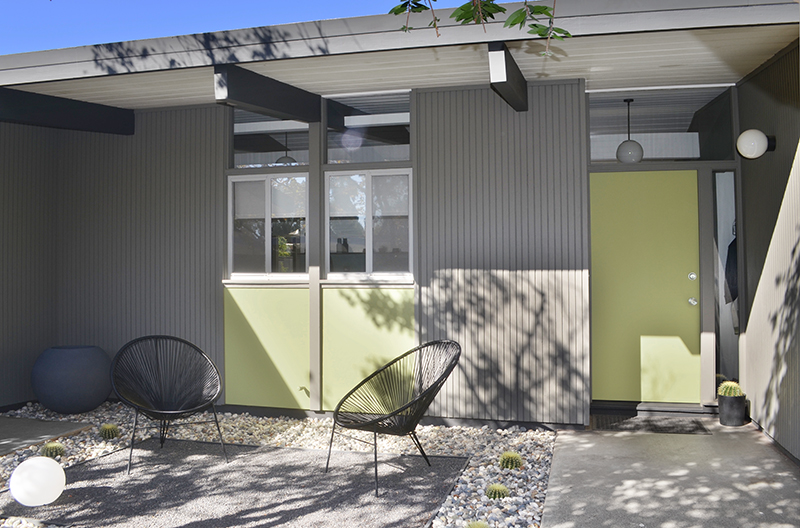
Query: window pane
{"type": "Point", "coordinates": [288, 211]}
{"type": "Point", "coordinates": [348, 210]}
{"type": "Point", "coordinates": [288, 245]}
{"type": "Point", "coordinates": [249, 237]}
{"type": "Point", "coordinates": [348, 244]}
{"type": "Point", "coordinates": [289, 196]}
{"type": "Point", "coordinates": [348, 195]}
{"type": "Point", "coordinates": [390, 243]}
{"type": "Point", "coordinates": [390, 239]}
{"type": "Point", "coordinates": [261, 141]}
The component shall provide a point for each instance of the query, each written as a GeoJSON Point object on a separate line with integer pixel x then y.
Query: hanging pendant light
{"type": "Point", "coordinates": [629, 151]}
{"type": "Point", "coordinates": [286, 159]}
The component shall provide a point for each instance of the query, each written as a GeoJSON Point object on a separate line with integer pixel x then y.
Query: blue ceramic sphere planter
{"type": "Point", "coordinates": [72, 379]}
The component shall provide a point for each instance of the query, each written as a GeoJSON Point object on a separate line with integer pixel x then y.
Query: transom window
{"type": "Point", "coordinates": [369, 222]}
{"type": "Point", "coordinates": [258, 246]}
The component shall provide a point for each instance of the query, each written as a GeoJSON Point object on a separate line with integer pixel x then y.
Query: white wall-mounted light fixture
{"type": "Point", "coordinates": [754, 143]}
{"type": "Point", "coordinates": [629, 151]}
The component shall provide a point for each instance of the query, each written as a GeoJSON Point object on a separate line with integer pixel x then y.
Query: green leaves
{"type": "Point", "coordinates": [481, 11]}
{"type": "Point", "coordinates": [410, 6]}
{"type": "Point", "coordinates": [478, 11]}
{"type": "Point", "coordinates": [531, 13]}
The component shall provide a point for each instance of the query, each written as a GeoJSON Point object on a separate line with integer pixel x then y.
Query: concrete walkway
{"type": "Point", "coordinates": [19, 433]}
{"type": "Point", "coordinates": [733, 477]}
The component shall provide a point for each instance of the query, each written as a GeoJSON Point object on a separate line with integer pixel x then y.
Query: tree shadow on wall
{"type": "Point", "coordinates": [780, 398]}
{"type": "Point", "coordinates": [524, 347]}
{"type": "Point", "coordinates": [208, 49]}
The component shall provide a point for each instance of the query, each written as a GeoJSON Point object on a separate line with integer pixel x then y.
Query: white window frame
{"type": "Point", "coordinates": [266, 178]}
{"type": "Point", "coordinates": [369, 275]}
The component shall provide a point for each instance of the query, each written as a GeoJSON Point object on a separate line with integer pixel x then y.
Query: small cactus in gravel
{"type": "Point", "coordinates": [510, 460]}
{"type": "Point", "coordinates": [109, 431]}
{"type": "Point", "coordinates": [477, 524]}
{"type": "Point", "coordinates": [53, 449]}
{"type": "Point", "coordinates": [729, 388]}
{"type": "Point", "coordinates": [496, 491]}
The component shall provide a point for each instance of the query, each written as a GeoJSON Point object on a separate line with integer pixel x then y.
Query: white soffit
{"type": "Point", "coordinates": [685, 57]}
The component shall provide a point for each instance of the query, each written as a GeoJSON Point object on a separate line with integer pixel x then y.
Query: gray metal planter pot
{"type": "Point", "coordinates": [72, 379]}
{"type": "Point", "coordinates": [732, 410]}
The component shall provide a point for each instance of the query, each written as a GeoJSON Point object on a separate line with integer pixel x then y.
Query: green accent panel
{"type": "Point", "coordinates": [644, 232]}
{"type": "Point", "coordinates": [362, 329]}
{"type": "Point", "coordinates": [267, 347]}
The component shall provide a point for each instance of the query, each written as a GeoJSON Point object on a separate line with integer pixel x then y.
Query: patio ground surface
{"type": "Point", "coordinates": [188, 484]}
{"type": "Point", "coordinates": [733, 477]}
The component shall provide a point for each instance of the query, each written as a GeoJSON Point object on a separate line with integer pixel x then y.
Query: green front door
{"type": "Point", "coordinates": [645, 316]}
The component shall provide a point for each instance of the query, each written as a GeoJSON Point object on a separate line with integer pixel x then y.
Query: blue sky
{"type": "Point", "coordinates": [32, 25]}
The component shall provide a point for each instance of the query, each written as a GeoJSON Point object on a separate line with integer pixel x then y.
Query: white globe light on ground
{"type": "Point", "coordinates": [629, 151]}
{"type": "Point", "coordinates": [37, 481]}
{"type": "Point", "coordinates": [752, 143]}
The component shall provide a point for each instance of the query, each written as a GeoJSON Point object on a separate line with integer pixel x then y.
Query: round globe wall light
{"type": "Point", "coordinates": [754, 143]}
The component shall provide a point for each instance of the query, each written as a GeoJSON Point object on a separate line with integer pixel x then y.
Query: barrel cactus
{"type": "Point", "coordinates": [496, 491]}
{"type": "Point", "coordinates": [53, 449]}
{"type": "Point", "coordinates": [510, 460]}
{"type": "Point", "coordinates": [729, 388]}
{"type": "Point", "coordinates": [109, 431]}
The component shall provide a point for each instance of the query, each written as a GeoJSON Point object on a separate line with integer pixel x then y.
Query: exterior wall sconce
{"type": "Point", "coordinates": [754, 143]}
{"type": "Point", "coordinates": [629, 151]}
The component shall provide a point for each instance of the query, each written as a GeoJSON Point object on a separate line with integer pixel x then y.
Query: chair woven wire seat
{"type": "Point", "coordinates": [165, 378]}
{"type": "Point", "coordinates": [393, 399]}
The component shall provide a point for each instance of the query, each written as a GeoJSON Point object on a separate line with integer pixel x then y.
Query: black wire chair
{"type": "Point", "coordinates": [165, 378]}
{"type": "Point", "coordinates": [393, 399]}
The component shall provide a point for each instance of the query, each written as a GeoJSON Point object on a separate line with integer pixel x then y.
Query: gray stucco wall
{"type": "Point", "coordinates": [27, 254]}
{"type": "Point", "coordinates": [503, 236]}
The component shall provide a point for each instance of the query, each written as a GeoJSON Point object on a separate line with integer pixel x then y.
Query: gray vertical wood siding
{"type": "Point", "coordinates": [770, 370]}
{"type": "Point", "coordinates": [27, 254]}
{"type": "Point", "coordinates": [140, 231]}
{"type": "Point", "coordinates": [502, 230]}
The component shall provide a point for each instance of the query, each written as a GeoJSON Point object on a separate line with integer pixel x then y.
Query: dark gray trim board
{"type": "Point", "coordinates": [26, 108]}
{"type": "Point", "coordinates": [241, 88]}
{"type": "Point", "coordinates": [507, 80]}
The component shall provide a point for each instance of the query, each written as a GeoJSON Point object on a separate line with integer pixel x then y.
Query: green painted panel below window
{"type": "Point", "coordinates": [362, 329]}
{"type": "Point", "coordinates": [267, 347]}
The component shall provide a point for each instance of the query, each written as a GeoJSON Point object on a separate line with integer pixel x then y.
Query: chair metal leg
{"type": "Point", "coordinates": [219, 430]}
{"type": "Point", "coordinates": [163, 429]}
{"type": "Point", "coordinates": [330, 446]}
{"type": "Point", "coordinates": [375, 451]}
{"type": "Point", "coordinates": [413, 436]}
{"type": "Point", "coordinates": [133, 437]}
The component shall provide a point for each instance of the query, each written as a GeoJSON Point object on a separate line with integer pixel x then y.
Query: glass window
{"type": "Point", "coordinates": [369, 128]}
{"type": "Point", "coordinates": [282, 199]}
{"type": "Point", "coordinates": [369, 220]}
{"type": "Point", "coordinates": [262, 141]}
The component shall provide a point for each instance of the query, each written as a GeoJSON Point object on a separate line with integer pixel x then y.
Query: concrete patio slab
{"type": "Point", "coordinates": [19, 433]}
{"type": "Point", "coordinates": [735, 476]}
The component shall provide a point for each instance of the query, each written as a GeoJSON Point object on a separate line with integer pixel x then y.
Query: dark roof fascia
{"type": "Point", "coordinates": [376, 33]}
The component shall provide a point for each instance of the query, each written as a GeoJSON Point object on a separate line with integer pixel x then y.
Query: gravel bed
{"type": "Point", "coordinates": [466, 503]}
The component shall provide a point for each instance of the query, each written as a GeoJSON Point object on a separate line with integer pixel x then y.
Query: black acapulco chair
{"type": "Point", "coordinates": [165, 378]}
{"type": "Point", "coordinates": [393, 399]}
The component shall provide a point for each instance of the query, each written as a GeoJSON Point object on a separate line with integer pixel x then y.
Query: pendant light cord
{"type": "Point", "coordinates": [629, 101]}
